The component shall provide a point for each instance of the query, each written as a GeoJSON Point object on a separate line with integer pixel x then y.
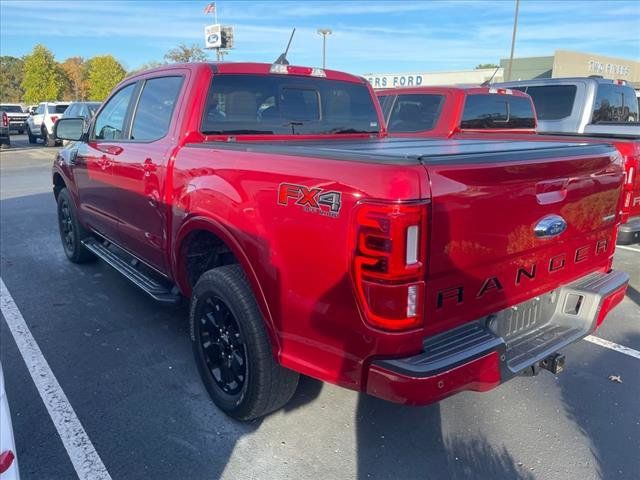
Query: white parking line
{"type": "Point", "coordinates": [624, 247]}
{"type": "Point", "coordinates": [85, 459]}
{"type": "Point", "coordinates": [613, 346]}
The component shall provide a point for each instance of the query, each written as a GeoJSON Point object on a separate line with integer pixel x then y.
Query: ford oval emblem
{"type": "Point", "coordinates": [550, 226]}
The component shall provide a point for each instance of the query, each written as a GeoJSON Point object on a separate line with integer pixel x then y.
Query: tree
{"type": "Point", "coordinates": [486, 65]}
{"type": "Point", "coordinates": [75, 69]}
{"type": "Point", "coordinates": [183, 53]}
{"type": "Point", "coordinates": [11, 78]}
{"type": "Point", "coordinates": [146, 66]}
{"type": "Point", "coordinates": [104, 73]}
{"type": "Point", "coordinates": [42, 80]}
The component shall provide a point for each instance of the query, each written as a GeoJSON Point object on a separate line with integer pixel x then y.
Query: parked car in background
{"type": "Point", "coordinates": [4, 128]}
{"type": "Point", "coordinates": [603, 110]}
{"type": "Point", "coordinates": [40, 124]}
{"type": "Point", "coordinates": [8, 460]}
{"type": "Point", "coordinates": [455, 111]}
{"type": "Point", "coordinates": [17, 117]}
{"type": "Point", "coordinates": [85, 110]}
{"type": "Point", "coordinates": [307, 242]}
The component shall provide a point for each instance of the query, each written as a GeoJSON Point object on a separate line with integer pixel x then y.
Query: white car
{"type": "Point", "coordinates": [40, 124]}
{"type": "Point", "coordinates": [8, 460]}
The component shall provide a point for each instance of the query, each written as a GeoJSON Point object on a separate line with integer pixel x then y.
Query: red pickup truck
{"type": "Point", "coordinates": [507, 113]}
{"type": "Point", "coordinates": [307, 242]}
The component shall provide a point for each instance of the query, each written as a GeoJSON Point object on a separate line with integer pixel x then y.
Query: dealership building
{"type": "Point", "coordinates": [563, 63]}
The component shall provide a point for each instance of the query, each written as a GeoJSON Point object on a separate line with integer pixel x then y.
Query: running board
{"type": "Point", "coordinates": [127, 268]}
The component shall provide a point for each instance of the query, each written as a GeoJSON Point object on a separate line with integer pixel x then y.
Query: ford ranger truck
{"type": "Point", "coordinates": [308, 243]}
{"type": "Point", "coordinates": [594, 107]}
{"type": "Point", "coordinates": [499, 112]}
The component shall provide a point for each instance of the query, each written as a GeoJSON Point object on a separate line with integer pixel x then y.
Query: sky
{"type": "Point", "coordinates": [368, 37]}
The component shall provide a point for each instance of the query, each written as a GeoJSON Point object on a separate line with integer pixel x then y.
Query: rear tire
{"type": "Point", "coordinates": [32, 138]}
{"type": "Point", "coordinates": [49, 140]}
{"type": "Point", "coordinates": [71, 232]}
{"type": "Point", "coordinates": [232, 348]}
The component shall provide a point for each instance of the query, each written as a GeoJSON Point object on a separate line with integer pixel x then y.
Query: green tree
{"type": "Point", "coordinates": [145, 66]}
{"type": "Point", "coordinates": [42, 80]}
{"type": "Point", "coordinates": [11, 78]}
{"type": "Point", "coordinates": [184, 53]}
{"type": "Point", "coordinates": [104, 73]}
{"type": "Point", "coordinates": [486, 65]}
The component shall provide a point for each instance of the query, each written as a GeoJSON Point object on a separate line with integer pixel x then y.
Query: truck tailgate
{"type": "Point", "coordinates": [484, 252]}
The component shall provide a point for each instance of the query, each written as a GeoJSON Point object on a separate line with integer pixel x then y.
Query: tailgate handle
{"type": "Point", "coordinates": [551, 191]}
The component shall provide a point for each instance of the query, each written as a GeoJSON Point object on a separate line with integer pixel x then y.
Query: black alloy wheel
{"type": "Point", "coordinates": [222, 346]}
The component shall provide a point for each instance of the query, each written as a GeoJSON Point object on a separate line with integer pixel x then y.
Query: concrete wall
{"type": "Point", "coordinates": [528, 67]}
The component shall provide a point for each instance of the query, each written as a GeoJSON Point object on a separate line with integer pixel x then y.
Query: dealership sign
{"type": "Point", "coordinates": [393, 81]}
{"type": "Point", "coordinates": [212, 36]}
{"type": "Point", "coordinates": [609, 68]}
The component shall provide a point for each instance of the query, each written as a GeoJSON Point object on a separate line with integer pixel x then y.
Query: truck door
{"type": "Point", "coordinates": [140, 172]}
{"type": "Point", "coordinates": [93, 165]}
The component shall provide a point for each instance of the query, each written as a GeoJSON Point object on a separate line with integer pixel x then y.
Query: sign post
{"type": "Point", "coordinates": [216, 36]}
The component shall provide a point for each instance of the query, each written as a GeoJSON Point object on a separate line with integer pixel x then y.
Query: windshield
{"type": "Point", "coordinates": [259, 104]}
{"type": "Point", "coordinates": [11, 108]}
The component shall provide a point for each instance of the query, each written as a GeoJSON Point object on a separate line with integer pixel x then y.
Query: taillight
{"type": "Point", "coordinates": [631, 165]}
{"type": "Point", "coordinates": [54, 119]}
{"type": "Point", "coordinates": [389, 263]}
{"type": "Point", "coordinates": [6, 459]}
{"type": "Point", "coordinates": [5, 120]}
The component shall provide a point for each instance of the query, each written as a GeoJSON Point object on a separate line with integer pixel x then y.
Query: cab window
{"type": "Point", "coordinates": [415, 113]}
{"type": "Point", "coordinates": [494, 111]}
{"type": "Point", "coordinates": [109, 124]}
{"type": "Point", "coordinates": [615, 104]}
{"type": "Point", "coordinates": [155, 108]}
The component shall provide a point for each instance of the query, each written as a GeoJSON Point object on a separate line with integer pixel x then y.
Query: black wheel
{"type": "Point", "coordinates": [232, 349]}
{"type": "Point", "coordinates": [32, 137]}
{"type": "Point", "coordinates": [20, 132]}
{"type": "Point", "coordinates": [71, 232]}
{"type": "Point", "coordinates": [49, 140]}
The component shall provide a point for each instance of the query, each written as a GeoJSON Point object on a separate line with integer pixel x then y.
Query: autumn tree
{"type": "Point", "coordinates": [104, 72]}
{"type": "Point", "coordinates": [42, 80]}
{"type": "Point", "coordinates": [184, 53]}
{"type": "Point", "coordinates": [75, 70]}
{"type": "Point", "coordinates": [11, 78]}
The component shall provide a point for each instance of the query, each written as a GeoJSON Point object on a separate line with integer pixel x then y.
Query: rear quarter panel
{"type": "Point", "coordinates": [297, 260]}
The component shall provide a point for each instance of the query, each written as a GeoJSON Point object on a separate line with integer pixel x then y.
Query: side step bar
{"type": "Point", "coordinates": [140, 279]}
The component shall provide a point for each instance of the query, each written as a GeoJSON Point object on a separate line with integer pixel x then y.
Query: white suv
{"type": "Point", "coordinates": [40, 124]}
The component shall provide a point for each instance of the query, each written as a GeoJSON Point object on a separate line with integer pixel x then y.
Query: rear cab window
{"type": "Point", "coordinates": [615, 104]}
{"type": "Point", "coordinates": [287, 105]}
{"type": "Point", "coordinates": [59, 108]}
{"type": "Point", "coordinates": [552, 102]}
{"type": "Point", "coordinates": [497, 111]}
{"type": "Point", "coordinates": [415, 112]}
{"type": "Point", "coordinates": [155, 108]}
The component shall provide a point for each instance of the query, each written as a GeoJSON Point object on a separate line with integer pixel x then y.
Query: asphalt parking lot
{"type": "Point", "coordinates": [125, 365]}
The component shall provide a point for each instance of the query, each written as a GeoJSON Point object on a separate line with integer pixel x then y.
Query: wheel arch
{"type": "Point", "coordinates": [183, 278]}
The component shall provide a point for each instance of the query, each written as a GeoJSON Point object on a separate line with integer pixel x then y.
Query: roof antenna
{"type": "Point", "coordinates": [486, 83]}
{"type": "Point", "coordinates": [282, 59]}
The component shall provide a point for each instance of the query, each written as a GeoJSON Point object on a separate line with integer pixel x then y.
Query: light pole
{"type": "Point", "coordinates": [513, 42]}
{"type": "Point", "coordinates": [324, 32]}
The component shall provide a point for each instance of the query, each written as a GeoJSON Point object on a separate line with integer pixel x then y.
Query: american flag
{"type": "Point", "coordinates": [210, 8]}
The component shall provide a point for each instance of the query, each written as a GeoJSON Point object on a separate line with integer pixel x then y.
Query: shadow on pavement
{"type": "Point", "coordinates": [400, 442]}
{"type": "Point", "coordinates": [607, 413]}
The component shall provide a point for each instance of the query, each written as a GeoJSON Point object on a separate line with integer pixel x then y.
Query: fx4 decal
{"type": "Point", "coordinates": [313, 200]}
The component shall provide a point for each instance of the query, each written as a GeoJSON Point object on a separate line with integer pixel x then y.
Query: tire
{"type": "Point", "coordinates": [20, 132]}
{"type": "Point", "coordinates": [225, 315]}
{"type": "Point", "coordinates": [71, 232]}
{"type": "Point", "coordinates": [32, 138]}
{"type": "Point", "coordinates": [49, 140]}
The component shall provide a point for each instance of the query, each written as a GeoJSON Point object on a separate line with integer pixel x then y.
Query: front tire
{"type": "Point", "coordinates": [232, 348]}
{"type": "Point", "coordinates": [71, 232]}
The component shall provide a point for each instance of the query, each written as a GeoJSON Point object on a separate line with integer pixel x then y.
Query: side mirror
{"type": "Point", "coordinates": [69, 129]}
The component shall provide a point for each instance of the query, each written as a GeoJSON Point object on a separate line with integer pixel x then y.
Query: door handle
{"type": "Point", "coordinates": [110, 149]}
{"type": "Point", "coordinates": [551, 191]}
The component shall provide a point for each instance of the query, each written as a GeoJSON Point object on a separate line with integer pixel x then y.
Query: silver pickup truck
{"type": "Point", "coordinates": [599, 108]}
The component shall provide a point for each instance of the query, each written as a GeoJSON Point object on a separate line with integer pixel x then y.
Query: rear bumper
{"type": "Point", "coordinates": [482, 354]}
{"type": "Point", "coordinates": [629, 232]}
